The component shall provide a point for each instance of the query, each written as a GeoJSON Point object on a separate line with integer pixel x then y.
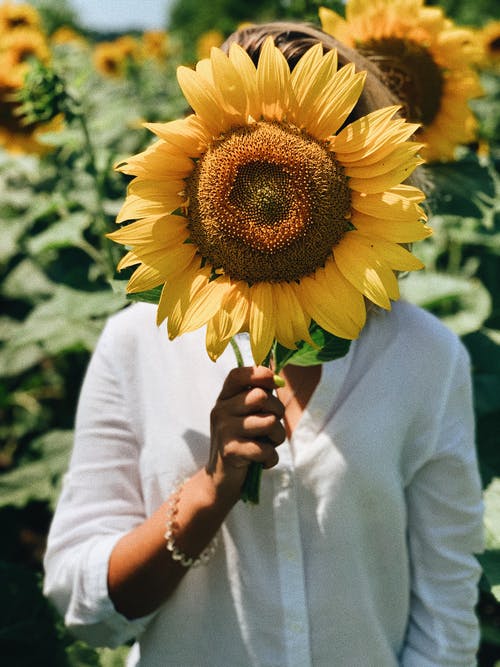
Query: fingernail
{"type": "Point", "coordinates": [279, 381]}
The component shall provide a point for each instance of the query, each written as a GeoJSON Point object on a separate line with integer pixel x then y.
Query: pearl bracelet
{"type": "Point", "coordinates": [183, 559]}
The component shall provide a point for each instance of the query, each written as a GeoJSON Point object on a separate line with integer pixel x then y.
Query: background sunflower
{"type": "Point", "coordinates": [425, 59]}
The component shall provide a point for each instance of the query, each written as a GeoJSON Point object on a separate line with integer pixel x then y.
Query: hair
{"type": "Point", "coordinates": [294, 39]}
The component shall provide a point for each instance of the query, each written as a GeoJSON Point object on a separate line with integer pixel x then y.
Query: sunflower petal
{"type": "Point", "coordinates": [160, 161]}
{"type": "Point", "coordinates": [318, 300]}
{"type": "Point", "coordinates": [145, 198]}
{"type": "Point", "coordinates": [391, 204]}
{"type": "Point", "coordinates": [292, 322]}
{"type": "Point", "coordinates": [165, 228]}
{"type": "Point", "coordinates": [398, 156]}
{"type": "Point", "coordinates": [397, 231]}
{"type": "Point", "coordinates": [333, 24]}
{"type": "Point", "coordinates": [204, 305]}
{"type": "Point", "coordinates": [273, 81]}
{"type": "Point", "coordinates": [202, 98]}
{"type": "Point", "coordinates": [360, 267]}
{"type": "Point", "coordinates": [261, 325]}
{"type": "Point", "coordinates": [387, 180]}
{"type": "Point", "coordinates": [243, 63]}
{"type": "Point", "coordinates": [189, 134]}
{"type": "Point", "coordinates": [144, 278]}
{"type": "Point", "coordinates": [230, 86]}
{"type": "Point", "coordinates": [176, 294]}
{"type": "Point", "coordinates": [394, 255]}
{"type": "Point", "coordinates": [213, 342]}
{"type": "Point", "coordinates": [311, 76]}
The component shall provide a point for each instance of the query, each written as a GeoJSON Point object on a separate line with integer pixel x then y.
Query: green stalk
{"type": "Point", "coordinates": [250, 491]}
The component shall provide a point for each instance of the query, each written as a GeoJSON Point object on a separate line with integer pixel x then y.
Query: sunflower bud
{"type": "Point", "coordinates": [43, 95]}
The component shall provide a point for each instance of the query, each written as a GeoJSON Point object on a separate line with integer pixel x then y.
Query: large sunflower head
{"type": "Point", "coordinates": [264, 209]}
{"type": "Point", "coordinates": [424, 59]}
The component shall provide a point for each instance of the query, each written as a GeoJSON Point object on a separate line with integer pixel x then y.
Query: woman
{"type": "Point", "coordinates": [360, 551]}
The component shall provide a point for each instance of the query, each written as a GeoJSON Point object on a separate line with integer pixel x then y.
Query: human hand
{"type": "Point", "coordinates": [245, 426]}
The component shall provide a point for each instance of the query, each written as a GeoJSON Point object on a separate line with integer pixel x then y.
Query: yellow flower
{"type": "Point", "coordinates": [113, 58]}
{"type": "Point", "coordinates": [14, 16]}
{"type": "Point", "coordinates": [18, 47]}
{"type": "Point", "coordinates": [155, 44]}
{"type": "Point", "coordinates": [426, 61]}
{"type": "Point", "coordinates": [490, 39]}
{"type": "Point", "coordinates": [260, 211]}
{"type": "Point", "coordinates": [67, 35]}
{"type": "Point", "coordinates": [207, 41]}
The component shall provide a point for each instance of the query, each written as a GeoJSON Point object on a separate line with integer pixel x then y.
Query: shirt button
{"type": "Point", "coordinates": [286, 479]}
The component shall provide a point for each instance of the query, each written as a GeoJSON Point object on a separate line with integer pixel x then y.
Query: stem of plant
{"type": "Point", "coordinates": [250, 491]}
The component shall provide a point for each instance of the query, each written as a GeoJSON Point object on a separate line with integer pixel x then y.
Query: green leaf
{"type": "Point", "coordinates": [462, 304]}
{"type": "Point", "coordinates": [329, 347]}
{"type": "Point", "coordinates": [67, 232]}
{"type": "Point", "coordinates": [115, 657]}
{"type": "Point", "coordinates": [70, 319]}
{"type": "Point", "coordinates": [151, 296]}
{"type": "Point", "coordinates": [490, 560]}
{"type": "Point", "coordinates": [27, 281]}
{"type": "Point", "coordinates": [28, 628]}
{"type": "Point", "coordinates": [39, 479]}
{"type": "Point", "coordinates": [460, 187]}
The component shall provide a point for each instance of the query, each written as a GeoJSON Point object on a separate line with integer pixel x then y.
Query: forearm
{"type": "Point", "coordinates": [142, 573]}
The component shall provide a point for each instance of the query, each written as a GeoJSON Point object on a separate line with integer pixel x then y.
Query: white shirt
{"type": "Point", "coordinates": [360, 551]}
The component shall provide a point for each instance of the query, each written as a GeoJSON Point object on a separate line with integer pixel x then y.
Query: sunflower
{"type": "Point", "coordinates": [67, 35]}
{"type": "Point", "coordinates": [114, 58]}
{"type": "Point", "coordinates": [14, 16]}
{"type": "Point", "coordinates": [19, 47]}
{"type": "Point", "coordinates": [490, 39]}
{"type": "Point", "coordinates": [425, 60]}
{"type": "Point", "coordinates": [206, 41]}
{"type": "Point", "coordinates": [260, 212]}
{"type": "Point", "coordinates": [155, 45]}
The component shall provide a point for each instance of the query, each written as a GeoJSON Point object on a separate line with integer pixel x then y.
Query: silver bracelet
{"type": "Point", "coordinates": [183, 559]}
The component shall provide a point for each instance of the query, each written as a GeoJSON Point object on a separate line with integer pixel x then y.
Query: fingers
{"type": "Point", "coordinates": [246, 421]}
{"type": "Point", "coordinates": [248, 376]}
{"type": "Point", "coordinates": [238, 454]}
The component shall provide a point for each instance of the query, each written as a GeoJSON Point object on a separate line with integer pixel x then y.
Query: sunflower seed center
{"type": "Point", "coordinates": [410, 71]}
{"type": "Point", "coordinates": [267, 202]}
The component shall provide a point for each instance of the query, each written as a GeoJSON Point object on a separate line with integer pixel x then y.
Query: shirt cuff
{"type": "Point", "coordinates": [95, 619]}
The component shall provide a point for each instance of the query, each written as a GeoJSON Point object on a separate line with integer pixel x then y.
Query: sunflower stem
{"type": "Point", "coordinates": [250, 491]}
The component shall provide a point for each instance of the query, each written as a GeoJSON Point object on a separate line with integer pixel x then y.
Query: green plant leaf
{"type": "Point", "coordinates": [490, 559]}
{"type": "Point", "coordinates": [329, 347]}
{"type": "Point", "coordinates": [64, 233]}
{"type": "Point", "coordinates": [38, 479]}
{"type": "Point", "coordinates": [151, 296]}
{"type": "Point", "coordinates": [462, 304]}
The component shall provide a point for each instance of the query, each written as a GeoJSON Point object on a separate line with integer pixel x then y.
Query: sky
{"type": "Point", "coordinates": [122, 14]}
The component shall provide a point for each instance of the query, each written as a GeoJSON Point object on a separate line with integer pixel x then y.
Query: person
{"type": "Point", "coordinates": [361, 550]}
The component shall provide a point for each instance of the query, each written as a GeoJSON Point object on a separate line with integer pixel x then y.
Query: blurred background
{"type": "Point", "coordinates": [77, 79]}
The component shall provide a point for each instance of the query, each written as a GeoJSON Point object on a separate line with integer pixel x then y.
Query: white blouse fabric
{"type": "Point", "coordinates": [360, 552]}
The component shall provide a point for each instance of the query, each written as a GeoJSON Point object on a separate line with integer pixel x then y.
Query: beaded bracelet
{"type": "Point", "coordinates": [183, 559]}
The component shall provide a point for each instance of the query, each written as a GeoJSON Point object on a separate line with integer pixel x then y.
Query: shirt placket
{"type": "Point", "coordinates": [291, 564]}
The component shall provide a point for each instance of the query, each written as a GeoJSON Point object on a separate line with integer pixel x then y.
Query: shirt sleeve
{"type": "Point", "coordinates": [444, 532]}
{"type": "Point", "coordinates": [100, 502]}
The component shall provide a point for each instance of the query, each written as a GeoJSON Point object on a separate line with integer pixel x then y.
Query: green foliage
{"type": "Point", "coordinates": [327, 347]}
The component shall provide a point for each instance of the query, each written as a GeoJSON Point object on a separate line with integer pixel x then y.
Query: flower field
{"type": "Point", "coordinates": [72, 105]}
